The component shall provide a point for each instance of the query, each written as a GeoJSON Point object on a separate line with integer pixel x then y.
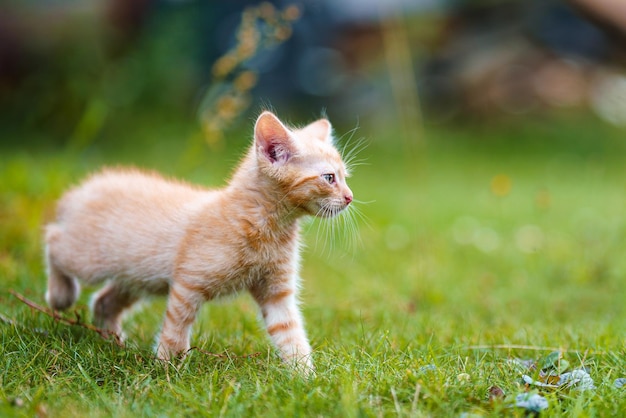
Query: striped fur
{"type": "Point", "coordinates": [145, 235]}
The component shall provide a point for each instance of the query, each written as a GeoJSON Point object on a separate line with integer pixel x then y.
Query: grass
{"type": "Point", "coordinates": [484, 246]}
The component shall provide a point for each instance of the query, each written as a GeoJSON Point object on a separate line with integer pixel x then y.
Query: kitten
{"type": "Point", "coordinates": [145, 235]}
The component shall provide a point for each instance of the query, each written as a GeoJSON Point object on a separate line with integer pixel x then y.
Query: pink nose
{"type": "Point", "coordinates": [348, 198]}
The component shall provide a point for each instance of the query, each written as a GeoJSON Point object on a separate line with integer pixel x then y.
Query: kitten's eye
{"type": "Point", "coordinates": [330, 178]}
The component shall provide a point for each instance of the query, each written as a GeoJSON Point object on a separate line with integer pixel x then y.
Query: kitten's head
{"type": "Point", "coordinates": [304, 164]}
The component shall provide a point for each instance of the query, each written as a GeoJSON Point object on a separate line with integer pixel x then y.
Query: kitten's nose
{"type": "Point", "coordinates": [348, 198]}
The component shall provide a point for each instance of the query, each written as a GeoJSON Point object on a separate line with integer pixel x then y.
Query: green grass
{"type": "Point", "coordinates": [448, 264]}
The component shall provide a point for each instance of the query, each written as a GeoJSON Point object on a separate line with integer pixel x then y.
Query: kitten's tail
{"type": "Point", "coordinates": [62, 289]}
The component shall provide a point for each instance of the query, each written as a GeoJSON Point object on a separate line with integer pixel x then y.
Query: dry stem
{"type": "Point", "coordinates": [104, 333]}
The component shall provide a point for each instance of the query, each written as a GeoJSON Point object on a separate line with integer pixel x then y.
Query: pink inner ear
{"type": "Point", "coordinates": [273, 137]}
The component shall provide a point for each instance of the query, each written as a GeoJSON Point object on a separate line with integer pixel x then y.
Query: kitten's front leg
{"type": "Point", "coordinates": [182, 307]}
{"type": "Point", "coordinates": [284, 325]}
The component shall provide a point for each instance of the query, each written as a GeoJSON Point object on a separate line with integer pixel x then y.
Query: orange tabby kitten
{"type": "Point", "coordinates": [145, 235]}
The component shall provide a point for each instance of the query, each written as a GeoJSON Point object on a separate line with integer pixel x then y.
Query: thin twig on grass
{"type": "Point", "coordinates": [104, 333]}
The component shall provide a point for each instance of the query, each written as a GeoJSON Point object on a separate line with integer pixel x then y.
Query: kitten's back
{"type": "Point", "coordinates": [120, 222]}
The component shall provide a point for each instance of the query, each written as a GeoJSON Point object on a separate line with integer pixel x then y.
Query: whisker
{"type": "Point", "coordinates": [355, 148]}
{"type": "Point", "coordinates": [353, 236]}
{"type": "Point", "coordinates": [358, 213]}
{"type": "Point", "coordinates": [350, 157]}
{"type": "Point", "coordinates": [351, 148]}
{"type": "Point", "coordinates": [362, 202]}
{"type": "Point", "coordinates": [351, 132]}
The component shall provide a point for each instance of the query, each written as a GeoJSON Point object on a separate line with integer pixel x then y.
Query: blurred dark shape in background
{"type": "Point", "coordinates": [71, 68]}
{"type": "Point", "coordinates": [518, 57]}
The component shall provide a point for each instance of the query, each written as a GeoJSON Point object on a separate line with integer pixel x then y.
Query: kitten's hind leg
{"type": "Point", "coordinates": [109, 304]}
{"type": "Point", "coordinates": [183, 304]}
{"type": "Point", "coordinates": [62, 290]}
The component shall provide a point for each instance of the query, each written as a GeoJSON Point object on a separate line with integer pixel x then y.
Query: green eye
{"type": "Point", "coordinates": [330, 178]}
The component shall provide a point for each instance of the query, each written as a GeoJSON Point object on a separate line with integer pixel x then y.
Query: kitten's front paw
{"type": "Point", "coordinates": [162, 353]}
{"type": "Point", "coordinates": [305, 367]}
{"type": "Point", "coordinates": [167, 353]}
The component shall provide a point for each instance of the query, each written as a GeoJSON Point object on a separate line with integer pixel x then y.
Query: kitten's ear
{"type": "Point", "coordinates": [320, 129]}
{"type": "Point", "coordinates": [272, 138]}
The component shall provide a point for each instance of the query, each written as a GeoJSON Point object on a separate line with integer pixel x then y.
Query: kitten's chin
{"type": "Point", "coordinates": [328, 212]}
{"type": "Point", "coordinates": [325, 215]}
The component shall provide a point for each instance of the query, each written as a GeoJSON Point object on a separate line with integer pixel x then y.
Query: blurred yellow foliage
{"type": "Point", "coordinates": [228, 96]}
{"type": "Point", "coordinates": [501, 185]}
